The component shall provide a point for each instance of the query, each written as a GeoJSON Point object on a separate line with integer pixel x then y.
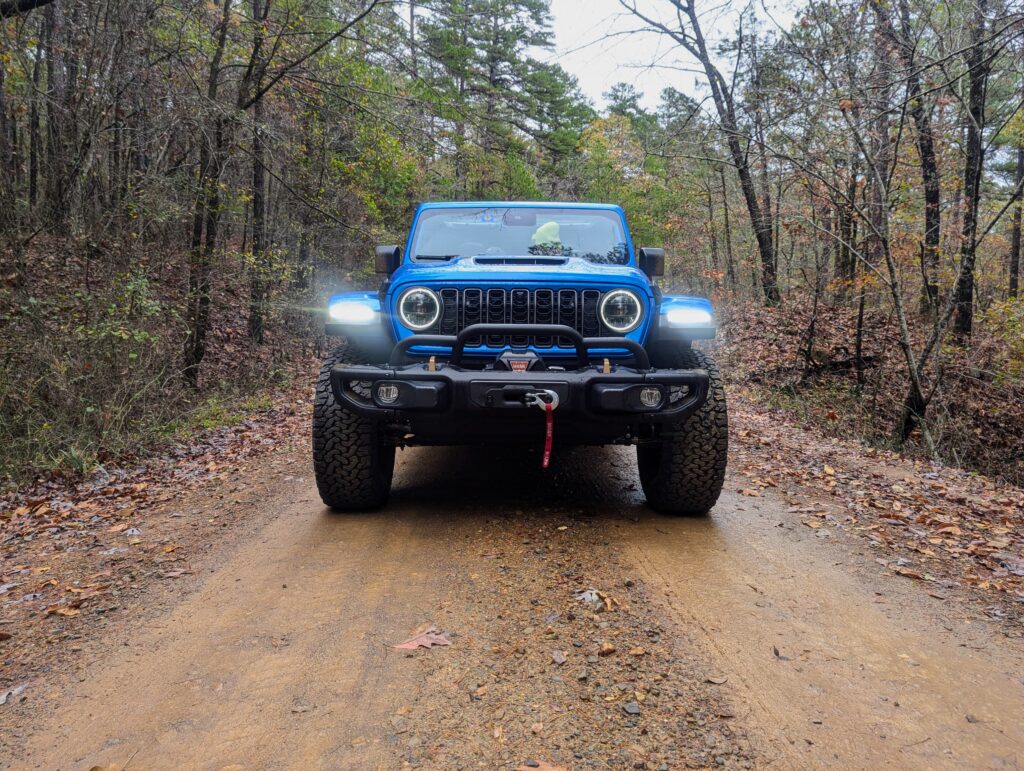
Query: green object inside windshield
{"type": "Point", "coordinates": [547, 235]}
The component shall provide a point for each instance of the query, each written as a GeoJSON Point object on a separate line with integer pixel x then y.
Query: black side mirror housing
{"type": "Point", "coordinates": [652, 261]}
{"type": "Point", "coordinates": [388, 259]}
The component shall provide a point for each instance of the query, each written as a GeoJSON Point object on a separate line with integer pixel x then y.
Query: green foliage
{"type": "Point", "coordinates": [85, 374]}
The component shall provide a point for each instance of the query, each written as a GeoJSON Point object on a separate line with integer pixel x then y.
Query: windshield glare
{"type": "Point", "coordinates": [593, 234]}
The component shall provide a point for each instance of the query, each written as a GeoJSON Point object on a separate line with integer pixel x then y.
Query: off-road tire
{"type": "Point", "coordinates": [352, 462]}
{"type": "Point", "coordinates": [683, 472]}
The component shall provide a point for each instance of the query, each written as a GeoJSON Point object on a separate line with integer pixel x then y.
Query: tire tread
{"type": "Point", "coordinates": [685, 471]}
{"type": "Point", "coordinates": [352, 463]}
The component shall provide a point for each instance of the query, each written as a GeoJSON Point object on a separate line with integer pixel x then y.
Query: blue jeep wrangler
{"type": "Point", "coordinates": [520, 323]}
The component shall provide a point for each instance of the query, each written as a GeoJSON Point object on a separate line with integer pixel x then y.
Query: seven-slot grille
{"type": "Point", "coordinates": [461, 308]}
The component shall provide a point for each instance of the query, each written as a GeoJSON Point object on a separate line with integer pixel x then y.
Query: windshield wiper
{"type": "Point", "coordinates": [438, 257]}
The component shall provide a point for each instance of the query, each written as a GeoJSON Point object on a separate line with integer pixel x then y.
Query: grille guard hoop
{"type": "Point", "coordinates": [459, 342]}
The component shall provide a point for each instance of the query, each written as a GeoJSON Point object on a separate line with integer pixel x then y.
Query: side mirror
{"type": "Point", "coordinates": [388, 259]}
{"type": "Point", "coordinates": [652, 261]}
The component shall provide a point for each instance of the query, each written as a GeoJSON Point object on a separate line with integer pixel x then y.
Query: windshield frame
{"type": "Point", "coordinates": [605, 211]}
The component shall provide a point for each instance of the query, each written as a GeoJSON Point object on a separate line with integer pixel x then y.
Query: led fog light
{"type": "Point", "coordinates": [650, 397]}
{"type": "Point", "coordinates": [387, 393]}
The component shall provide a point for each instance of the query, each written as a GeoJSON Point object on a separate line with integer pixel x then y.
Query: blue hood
{"type": "Point", "coordinates": [511, 271]}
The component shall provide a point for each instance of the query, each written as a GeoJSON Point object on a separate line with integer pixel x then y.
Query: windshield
{"type": "Point", "coordinates": [593, 234]}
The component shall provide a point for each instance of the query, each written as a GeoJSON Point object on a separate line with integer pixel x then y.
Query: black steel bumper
{"type": "Point", "coordinates": [589, 391]}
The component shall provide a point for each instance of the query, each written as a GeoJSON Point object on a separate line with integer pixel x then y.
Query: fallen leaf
{"type": "Point", "coordinates": [719, 679]}
{"type": "Point", "coordinates": [909, 573]}
{"type": "Point", "coordinates": [12, 693]}
{"type": "Point", "coordinates": [430, 637]}
{"type": "Point", "coordinates": [61, 610]}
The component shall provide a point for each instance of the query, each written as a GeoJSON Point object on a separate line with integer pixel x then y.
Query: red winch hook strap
{"type": "Point", "coordinates": [549, 406]}
{"type": "Point", "coordinates": [549, 433]}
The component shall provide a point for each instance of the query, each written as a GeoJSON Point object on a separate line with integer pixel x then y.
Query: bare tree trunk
{"type": "Point", "coordinates": [413, 59]}
{"type": "Point", "coordinates": [712, 235]}
{"type": "Point", "coordinates": [1015, 238]}
{"type": "Point", "coordinates": [977, 82]}
{"type": "Point", "coordinates": [33, 129]}
{"type": "Point", "coordinates": [880, 147]}
{"type": "Point", "coordinates": [206, 214]}
{"type": "Point", "coordinates": [5, 138]}
{"type": "Point", "coordinates": [730, 270]}
{"type": "Point", "coordinates": [55, 88]}
{"type": "Point", "coordinates": [260, 253]}
{"type": "Point", "coordinates": [9, 219]}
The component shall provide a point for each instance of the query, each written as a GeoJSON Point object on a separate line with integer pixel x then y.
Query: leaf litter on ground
{"type": "Point", "coordinates": [942, 526]}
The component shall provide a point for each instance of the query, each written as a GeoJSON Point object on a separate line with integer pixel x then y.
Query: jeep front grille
{"type": "Point", "coordinates": [461, 308]}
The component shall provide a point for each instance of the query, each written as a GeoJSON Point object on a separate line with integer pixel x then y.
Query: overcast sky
{"type": "Point", "coordinates": [596, 43]}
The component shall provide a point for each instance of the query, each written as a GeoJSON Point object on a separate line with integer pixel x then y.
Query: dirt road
{"type": "Point", "coordinates": [743, 640]}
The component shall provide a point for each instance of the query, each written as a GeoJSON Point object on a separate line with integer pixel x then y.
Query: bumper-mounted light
{"type": "Point", "coordinates": [650, 397]}
{"type": "Point", "coordinates": [409, 394]}
{"type": "Point", "coordinates": [387, 393]}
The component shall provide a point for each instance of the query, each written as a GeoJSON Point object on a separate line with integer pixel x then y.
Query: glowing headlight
{"type": "Point", "coordinates": [621, 311]}
{"type": "Point", "coordinates": [419, 308]}
{"type": "Point", "coordinates": [351, 312]}
{"type": "Point", "coordinates": [688, 317]}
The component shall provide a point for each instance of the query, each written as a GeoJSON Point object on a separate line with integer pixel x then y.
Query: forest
{"type": "Point", "coordinates": [183, 182]}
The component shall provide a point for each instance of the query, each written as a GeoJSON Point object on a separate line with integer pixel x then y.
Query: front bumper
{"type": "Point", "coordinates": [589, 392]}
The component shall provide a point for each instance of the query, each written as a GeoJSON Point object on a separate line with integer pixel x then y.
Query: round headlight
{"type": "Point", "coordinates": [419, 308]}
{"type": "Point", "coordinates": [621, 311]}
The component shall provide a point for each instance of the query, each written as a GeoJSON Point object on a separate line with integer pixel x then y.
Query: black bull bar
{"type": "Point", "coordinates": [589, 391]}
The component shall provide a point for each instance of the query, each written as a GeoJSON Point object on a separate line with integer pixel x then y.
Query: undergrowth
{"type": "Point", "coordinates": [90, 375]}
{"type": "Point", "coordinates": [976, 416]}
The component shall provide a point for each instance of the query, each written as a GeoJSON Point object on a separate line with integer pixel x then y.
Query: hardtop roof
{"type": "Point", "coordinates": [520, 204]}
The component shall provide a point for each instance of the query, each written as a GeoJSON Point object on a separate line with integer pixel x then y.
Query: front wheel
{"type": "Point", "coordinates": [682, 472]}
{"type": "Point", "coordinates": [352, 462]}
